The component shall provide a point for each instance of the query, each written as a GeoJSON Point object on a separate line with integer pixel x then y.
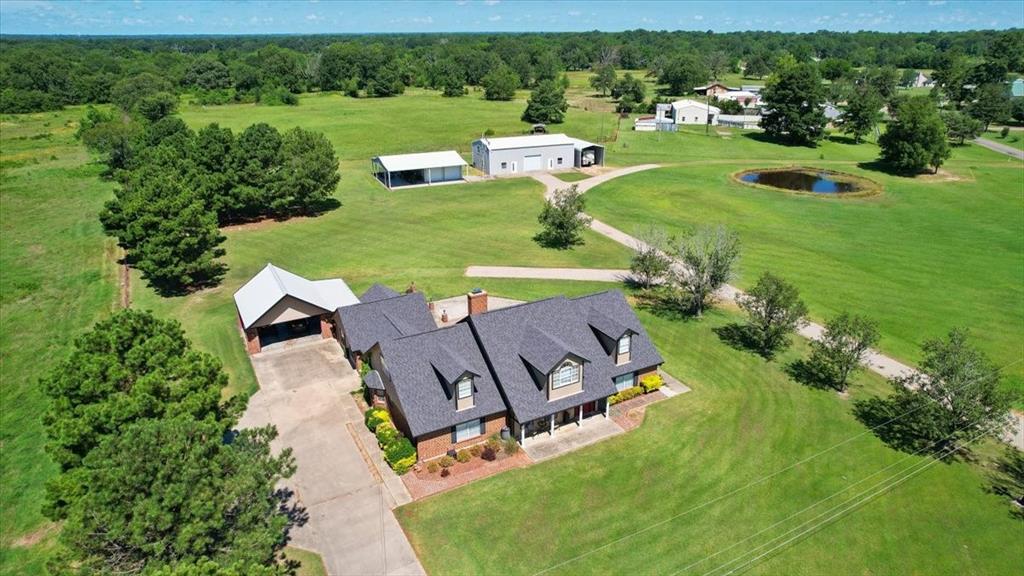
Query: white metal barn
{"type": "Point", "coordinates": [534, 153]}
{"type": "Point", "coordinates": [421, 169]}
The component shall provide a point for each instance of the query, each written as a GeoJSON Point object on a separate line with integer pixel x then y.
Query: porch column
{"type": "Point", "coordinates": [522, 435]}
{"type": "Point", "coordinates": [605, 407]}
{"type": "Point", "coordinates": [579, 415]}
{"type": "Point", "coordinates": [551, 427]}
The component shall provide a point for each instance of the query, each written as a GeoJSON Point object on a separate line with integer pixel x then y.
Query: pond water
{"type": "Point", "coordinates": [800, 180]}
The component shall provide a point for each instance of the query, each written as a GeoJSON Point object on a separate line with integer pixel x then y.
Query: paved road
{"type": "Point", "coordinates": [1001, 148]}
{"type": "Point", "coordinates": [591, 274]}
{"type": "Point", "coordinates": [304, 392]}
{"type": "Point", "coordinates": [875, 361]}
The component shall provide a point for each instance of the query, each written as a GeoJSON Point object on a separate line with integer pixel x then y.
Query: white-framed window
{"type": "Point", "coordinates": [624, 343]}
{"type": "Point", "coordinates": [566, 375]}
{"type": "Point", "coordinates": [504, 165]}
{"type": "Point", "coordinates": [623, 382]}
{"type": "Point", "coordinates": [559, 160]}
{"type": "Point", "coordinates": [468, 430]}
{"type": "Point", "coordinates": [465, 388]}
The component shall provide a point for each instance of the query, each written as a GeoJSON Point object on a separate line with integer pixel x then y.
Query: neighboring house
{"type": "Point", "coordinates": [382, 315]}
{"type": "Point", "coordinates": [921, 81]}
{"type": "Point", "coordinates": [755, 88]}
{"type": "Point", "coordinates": [692, 112]}
{"type": "Point", "coordinates": [527, 369]}
{"type": "Point", "coordinates": [712, 89]}
{"type": "Point", "coordinates": [276, 305]}
{"type": "Point", "coordinates": [418, 169]}
{"type": "Point", "coordinates": [832, 112]}
{"type": "Point", "coordinates": [1017, 88]}
{"type": "Point", "coordinates": [744, 97]}
{"type": "Point", "coordinates": [533, 153]}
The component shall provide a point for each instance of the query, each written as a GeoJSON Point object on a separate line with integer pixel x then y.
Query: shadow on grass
{"type": "Point", "coordinates": [739, 337]}
{"type": "Point", "coordinates": [809, 375]}
{"type": "Point", "coordinates": [767, 139]}
{"type": "Point", "coordinates": [903, 422]}
{"type": "Point", "coordinates": [884, 168]}
{"type": "Point", "coordinates": [1008, 480]}
{"type": "Point", "coordinates": [662, 303]}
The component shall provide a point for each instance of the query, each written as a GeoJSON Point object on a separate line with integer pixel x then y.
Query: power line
{"type": "Point", "coordinates": [836, 516]}
{"type": "Point", "coordinates": [745, 486]}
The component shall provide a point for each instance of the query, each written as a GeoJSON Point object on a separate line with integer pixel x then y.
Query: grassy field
{"type": "Point", "coordinates": [571, 176]}
{"type": "Point", "coordinates": [925, 256]}
{"type": "Point", "coordinates": [58, 277]}
{"type": "Point", "coordinates": [744, 420]}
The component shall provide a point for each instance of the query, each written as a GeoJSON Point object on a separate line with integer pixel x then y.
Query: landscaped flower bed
{"type": "Point", "coordinates": [469, 464]}
{"type": "Point", "coordinates": [399, 452]}
{"type": "Point", "coordinates": [648, 384]}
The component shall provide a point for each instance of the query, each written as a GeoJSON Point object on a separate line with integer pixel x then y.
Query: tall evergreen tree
{"type": "Point", "coordinates": [546, 104]}
{"type": "Point", "coordinates": [308, 173]}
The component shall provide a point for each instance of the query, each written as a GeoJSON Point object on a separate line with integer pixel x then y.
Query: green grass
{"type": "Point", "coordinates": [58, 277]}
{"type": "Point", "coordinates": [571, 176]}
{"type": "Point", "coordinates": [1015, 138]}
{"type": "Point", "coordinates": [744, 419]}
{"type": "Point", "coordinates": [312, 563]}
{"type": "Point", "coordinates": [922, 258]}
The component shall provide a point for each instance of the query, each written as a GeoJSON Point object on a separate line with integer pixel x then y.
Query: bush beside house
{"type": "Point", "coordinates": [399, 452]}
{"type": "Point", "coordinates": [648, 384]}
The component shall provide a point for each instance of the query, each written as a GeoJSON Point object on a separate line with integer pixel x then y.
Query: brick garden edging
{"type": "Point", "coordinates": [421, 484]}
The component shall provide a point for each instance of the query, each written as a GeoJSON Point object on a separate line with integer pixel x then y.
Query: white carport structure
{"type": "Point", "coordinates": [424, 168]}
{"type": "Point", "coordinates": [276, 305]}
{"type": "Point", "coordinates": [587, 153]}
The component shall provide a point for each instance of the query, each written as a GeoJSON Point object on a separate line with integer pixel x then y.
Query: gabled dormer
{"type": "Point", "coordinates": [556, 368]}
{"type": "Point", "coordinates": [456, 377]}
{"type": "Point", "coordinates": [616, 339]}
{"type": "Point", "coordinates": [464, 392]}
{"type": "Point", "coordinates": [566, 378]}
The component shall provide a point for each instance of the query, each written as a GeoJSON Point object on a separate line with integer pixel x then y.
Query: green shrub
{"type": "Point", "coordinates": [404, 465]}
{"type": "Point", "coordinates": [627, 394]}
{"type": "Point", "coordinates": [446, 461]}
{"type": "Point", "coordinates": [488, 454]}
{"type": "Point", "coordinates": [386, 434]}
{"type": "Point", "coordinates": [463, 456]}
{"type": "Point", "coordinates": [475, 450]}
{"type": "Point", "coordinates": [651, 382]}
{"type": "Point", "coordinates": [432, 466]}
{"type": "Point", "coordinates": [400, 454]}
{"type": "Point", "coordinates": [510, 446]}
{"type": "Point", "coordinates": [374, 416]}
{"type": "Point", "coordinates": [494, 443]}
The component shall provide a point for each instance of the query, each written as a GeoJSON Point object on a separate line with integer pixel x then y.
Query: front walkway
{"type": "Point", "coordinates": [571, 437]}
{"type": "Point", "coordinates": [304, 392]}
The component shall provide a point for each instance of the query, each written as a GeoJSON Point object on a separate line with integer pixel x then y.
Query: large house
{"type": "Point", "coordinates": [527, 369]}
{"type": "Point", "coordinates": [534, 153]}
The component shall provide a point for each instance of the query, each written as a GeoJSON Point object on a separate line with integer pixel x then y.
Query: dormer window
{"type": "Point", "coordinates": [567, 374]}
{"type": "Point", "coordinates": [622, 352]}
{"type": "Point", "coordinates": [464, 393]}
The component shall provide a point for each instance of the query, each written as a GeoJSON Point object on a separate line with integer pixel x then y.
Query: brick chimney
{"type": "Point", "coordinates": [476, 301]}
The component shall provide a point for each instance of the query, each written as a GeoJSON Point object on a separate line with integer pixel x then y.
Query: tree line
{"type": "Point", "coordinates": [178, 186]}
{"type": "Point", "coordinates": [38, 73]}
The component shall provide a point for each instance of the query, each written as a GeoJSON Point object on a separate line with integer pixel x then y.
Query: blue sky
{"type": "Point", "coordinates": [324, 16]}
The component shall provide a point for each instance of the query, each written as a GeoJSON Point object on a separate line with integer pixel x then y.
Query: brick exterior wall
{"type": "Point", "coordinates": [438, 443]}
{"type": "Point", "coordinates": [251, 337]}
{"type": "Point", "coordinates": [645, 372]}
{"type": "Point", "coordinates": [326, 327]}
{"type": "Point", "coordinates": [476, 302]}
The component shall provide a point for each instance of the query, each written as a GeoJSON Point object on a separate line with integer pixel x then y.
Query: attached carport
{"type": "Point", "coordinates": [588, 153]}
{"type": "Point", "coordinates": [423, 169]}
{"type": "Point", "coordinates": [275, 306]}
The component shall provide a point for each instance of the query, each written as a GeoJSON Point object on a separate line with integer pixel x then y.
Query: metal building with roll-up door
{"type": "Point", "coordinates": [422, 169]}
{"type": "Point", "coordinates": [534, 153]}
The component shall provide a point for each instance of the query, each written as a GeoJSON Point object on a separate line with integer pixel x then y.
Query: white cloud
{"type": "Point", "coordinates": [574, 13]}
{"type": "Point", "coordinates": [494, 18]}
{"type": "Point", "coordinates": [936, 2]}
{"type": "Point", "coordinates": [698, 17]}
{"type": "Point", "coordinates": [492, 2]}
{"type": "Point", "coordinates": [314, 17]}
{"type": "Point", "coordinates": [184, 18]}
{"type": "Point", "coordinates": [424, 20]}
{"type": "Point", "coordinates": [137, 4]}
{"type": "Point", "coordinates": [133, 21]}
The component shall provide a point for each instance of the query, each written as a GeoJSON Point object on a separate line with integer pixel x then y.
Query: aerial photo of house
{"type": "Point", "coordinates": [511, 288]}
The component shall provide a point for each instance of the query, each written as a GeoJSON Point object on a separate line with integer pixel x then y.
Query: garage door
{"type": "Point", "coordinates": [452, 172]}
{"type": "Point", "coordinates": [437, 174]}
{"type": "Point", "coordinates": [531, 163]}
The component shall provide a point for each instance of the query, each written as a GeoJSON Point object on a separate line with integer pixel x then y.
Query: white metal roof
{"type": "Point", "coordinates": [271, 284]}
{"type": "Point", "coordinates": [421, 161]}
{"type": "Point", "coordinates": [530, 141]}
{"type": "Point", "coordinates": [581, 144]}
{"type": "Point", "coordinates": [685, 103]}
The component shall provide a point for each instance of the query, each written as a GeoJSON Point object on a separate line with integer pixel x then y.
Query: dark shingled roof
{"type": "Point", "coordinates": [423, 369]}
{"type": "Point", "coordinates": [512, 337]}
{"type": "Point", "coordinates": [373, 381]}
{"type": "Point", "coordinates": [369, 323]}
{"type": "Point", "coordinates": [377, 292]}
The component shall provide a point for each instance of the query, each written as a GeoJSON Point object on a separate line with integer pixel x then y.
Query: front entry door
{"type": "Point", "coordinates": [515, 167]}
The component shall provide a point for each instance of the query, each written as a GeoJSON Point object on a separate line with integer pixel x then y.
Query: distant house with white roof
{"type": "Point", "coordinates": [691, 112]}
{"type": "Point", "coordinates": [425, 168]}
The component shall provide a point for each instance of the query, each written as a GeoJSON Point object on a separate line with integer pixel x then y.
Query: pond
{"type": "Point", "coordinates": [801, 181]}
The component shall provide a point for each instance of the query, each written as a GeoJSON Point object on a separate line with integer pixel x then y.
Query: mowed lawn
{"type": "Point", "coordinates": [922, 258]}
{"type": "Point", "coordinates": [57, 277]}
{"type": "Point", "coordinates": [645, 502]}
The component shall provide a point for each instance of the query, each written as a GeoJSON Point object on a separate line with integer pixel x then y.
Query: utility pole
{"type": "Point", "coordinates": [707, 120]}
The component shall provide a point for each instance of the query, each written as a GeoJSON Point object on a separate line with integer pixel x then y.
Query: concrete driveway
{"type": "Point", "coordinates": [304, 391]}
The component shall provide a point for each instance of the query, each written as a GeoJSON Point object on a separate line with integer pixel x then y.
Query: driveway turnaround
{"type": "Point", "coordinates": [1001, 148]}
{"type": "Point", "coordinates": [589, 274]}
{"type": "Point", "coordinates": [304, 391]}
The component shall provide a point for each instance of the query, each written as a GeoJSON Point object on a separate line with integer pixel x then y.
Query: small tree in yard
{"type": "Point", "coordinates": [708, 259]}
{"type": "Point", "coordinates": [603, 78]}
{"type": "Point", "coordinates": [961, 127]}
{"type": "Point", "coordinates": [650, 263]}
{"type": "Point", "coordinates": [862, 113]}
{"type": "Point", "coordinates": [500, 83]}
{"type": "Point", "coordinates": [547, 104]}
{"type": "Point", "coordinates": [842, 348]}
{"type": "Point", "coordinates": [954, 397]}
{"type": "Point", "coordinates": [774, 311]}
{"type": "Point", "coordinates": [562, 219]}
{"type": "Point", "coordinates": [916, 136]}
{"type": "Point", "coordinates": [991, 104]}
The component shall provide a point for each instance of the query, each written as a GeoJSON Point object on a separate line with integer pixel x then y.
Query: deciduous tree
{"type": "Point", "coordinates": [774, 311]}
{"type": "Point", "coordinates": [683, 74]}
{"type": "Point", "coordinates": [862, 113]}
{"type": "Point", "coordinates": [961, 127]}
{"type": "Point", "coordinates": [842, 348]}
{"type": "Point", "coordinates": [562, 219]}
{"type": "Point", "coordinates": [603, 78]}
{"type": "Point", "coordinates": [708, 256]}
{"type": "Point", "coordinates": [650, 263]}
{"type": "Point", "coordinates": [794, 97]}
{"type": "Point", "coordinates": [991, 104]}
{"type": "Point", "coordinates": [500, 83]}
{"type": "Point", "coordinates": [916, 136]}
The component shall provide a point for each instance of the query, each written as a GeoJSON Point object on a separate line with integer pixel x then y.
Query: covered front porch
{"type": "Point", "coordinates": [568, 434]}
